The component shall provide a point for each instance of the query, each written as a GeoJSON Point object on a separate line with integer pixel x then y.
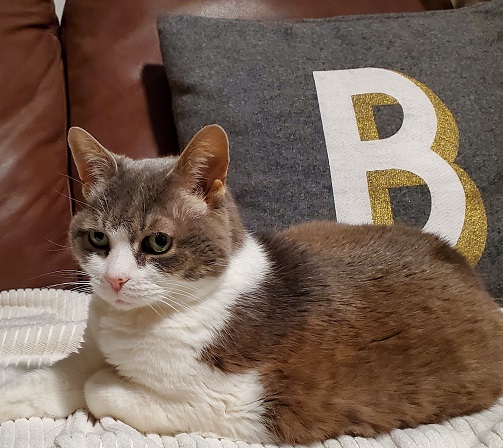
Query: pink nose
{"type": "Point", "coordinates": [116, 282]}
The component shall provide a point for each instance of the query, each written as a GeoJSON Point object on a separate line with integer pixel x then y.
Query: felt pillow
{"type": "Point", "coordinates": [362, 119]}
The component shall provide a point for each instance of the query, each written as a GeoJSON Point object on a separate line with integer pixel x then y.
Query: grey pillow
{"type": "Point", "coordinates": [354, 118]}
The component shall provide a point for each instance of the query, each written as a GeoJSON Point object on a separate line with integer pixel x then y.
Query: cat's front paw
{"type": "Point", "coordinates": [40, 393]}
{"type": "Point", "coordinates": [110, 395]}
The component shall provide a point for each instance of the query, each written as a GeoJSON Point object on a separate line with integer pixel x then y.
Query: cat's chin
{"type": "Point", "coordinates": [120, 303]}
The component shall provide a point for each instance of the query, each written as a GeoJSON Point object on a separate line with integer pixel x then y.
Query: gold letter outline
{"type": "Point", "coordinates": [472, 240]}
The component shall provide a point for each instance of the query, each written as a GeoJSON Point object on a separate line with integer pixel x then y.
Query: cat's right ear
{"type": "Point", "coordinates": [204, 162]}
{"type": "Point", "coordinates": [94, 163]}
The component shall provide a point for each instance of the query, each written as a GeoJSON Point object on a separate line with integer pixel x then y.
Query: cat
{"type": "Point", "coordinates": [196, 325]}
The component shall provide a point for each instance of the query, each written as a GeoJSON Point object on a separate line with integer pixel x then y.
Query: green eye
{"type": "Point", "coordinates": [98, 239]}
{"type": "Point", "coordinates": [157, 243]}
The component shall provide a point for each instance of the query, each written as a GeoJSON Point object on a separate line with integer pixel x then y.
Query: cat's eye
{"type": "Point", "coordinates": [157, 243]}
{"type": "Point", "coordinates": [98, 239]}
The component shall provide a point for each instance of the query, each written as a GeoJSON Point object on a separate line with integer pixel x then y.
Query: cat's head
{"type": "Point", "coordinates": [152, 230]}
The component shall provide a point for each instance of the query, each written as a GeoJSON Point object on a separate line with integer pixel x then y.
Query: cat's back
{"type": "Point", "coordinates": [373, 246]}
{"type": "Point", "coordinates": [377, 268]}
{"type": "Point", "coordinates": [392, 329]}
{"type": "Point", "coordinates": [397, 256]}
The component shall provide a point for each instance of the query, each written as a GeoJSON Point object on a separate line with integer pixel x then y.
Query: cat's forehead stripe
{"type": "Point", "coordinates": [126, 243]}
{"type": "Point", "coordinates": [122, 257]}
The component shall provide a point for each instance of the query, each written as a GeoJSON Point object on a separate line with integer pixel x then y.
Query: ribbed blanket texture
{"type": "Point", "coordinates": [40, 326]}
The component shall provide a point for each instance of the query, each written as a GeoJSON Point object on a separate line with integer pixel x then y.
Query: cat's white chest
{"type": "Point", "coordinates": [163, 356]}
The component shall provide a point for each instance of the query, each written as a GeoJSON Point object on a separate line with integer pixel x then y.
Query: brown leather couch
{"type": "Point", "coordinates": [100, 70]}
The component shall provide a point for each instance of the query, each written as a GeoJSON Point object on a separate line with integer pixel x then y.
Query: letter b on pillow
{"type": "Point", "coordinates": [422, 152]}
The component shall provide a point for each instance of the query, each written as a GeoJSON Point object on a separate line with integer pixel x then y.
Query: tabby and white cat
{"type": "Point", "coordinates": [316, 331]}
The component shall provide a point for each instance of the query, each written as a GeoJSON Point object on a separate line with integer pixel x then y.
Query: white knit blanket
{"type": "Point", "coordinates": [38, 327]}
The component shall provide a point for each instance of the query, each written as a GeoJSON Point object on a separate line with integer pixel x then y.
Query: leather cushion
{"type": "Point", "coordinates": [34, 190]}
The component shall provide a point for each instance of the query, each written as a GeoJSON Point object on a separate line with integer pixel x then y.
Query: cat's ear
{"type": "Point", "coordinates": [204, 162]}
{"type": "Point", "coordinates": [94, 163]}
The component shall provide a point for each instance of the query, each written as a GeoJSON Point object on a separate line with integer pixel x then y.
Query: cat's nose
{"type": "Point", "coordinates": [116, 282]}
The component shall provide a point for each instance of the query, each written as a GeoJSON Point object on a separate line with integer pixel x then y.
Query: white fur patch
{"type": "Point", "coordinates": [161, 356]}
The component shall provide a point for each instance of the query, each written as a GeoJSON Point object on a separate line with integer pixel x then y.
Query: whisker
{"type": "Point", "coordinates": [69, 277]}
{"type": "Point", "coordinates": [171, 306]}
{"type": "Point", "coordinates": [85, 204]}
{"type": "Point", "coordinates": [61, 271]}
{"type": "Point", "coordinates": [79, 271]}
{"type": "Point", "coordinates": [75, 283]}
{"type": "Point", "coordinates": [72, 178]}
{"type": "Point", "coordinates": [71, 271]}
{"type": "Point", "coordinates": [174, 302]}
{"type": "Point", "coordinates": [158, 313]}
{"type": "Point", "coordinates": [184, 284]}
{"type": "Point", "coordinates": [187, 294]}
{"type": "Point", "coordinates": [56, 244]}
{"type": "Point", "coordinates": [199, 297]}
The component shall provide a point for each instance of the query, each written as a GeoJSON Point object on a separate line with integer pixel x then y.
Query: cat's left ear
{"type": "Point", "coordinates": [94, 163]}
{"type": "Point", "coordinates": [204, 162]}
